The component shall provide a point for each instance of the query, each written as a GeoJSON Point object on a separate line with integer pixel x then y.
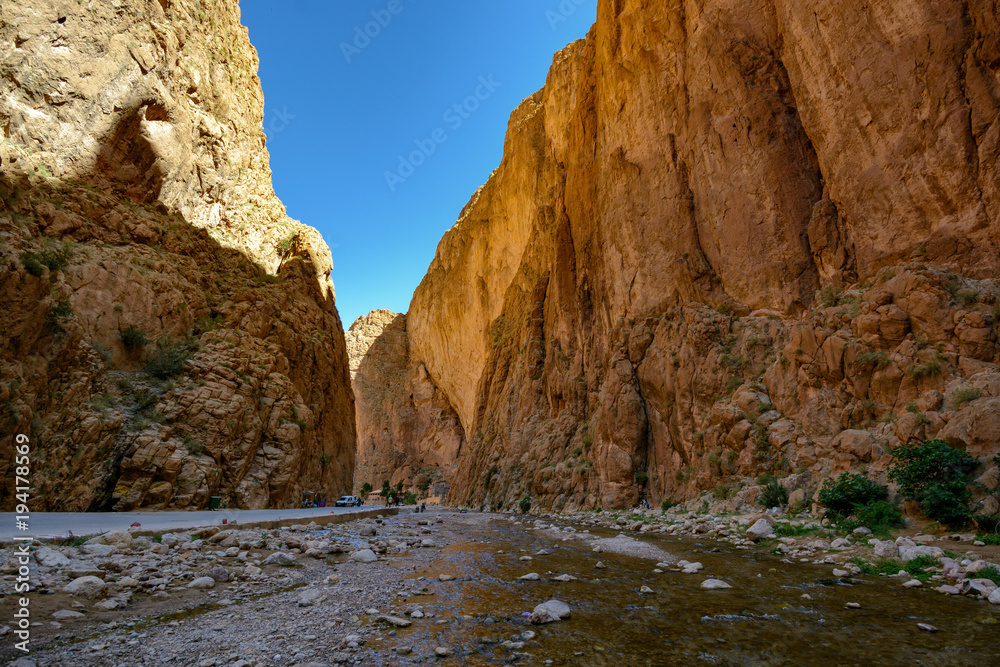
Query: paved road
{"type": "Point", "coordinates": [58, 524]}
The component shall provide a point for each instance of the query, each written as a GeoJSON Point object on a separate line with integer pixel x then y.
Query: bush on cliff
{"type": "Point", "coordinates": [937, 476]}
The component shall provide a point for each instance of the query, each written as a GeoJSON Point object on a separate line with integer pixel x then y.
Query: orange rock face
{"type": "Point", "coordinates": [407, 430]}
{"type": "Point", "coordinates": [726, 239]}
{"type": "Point", "coordinates": [170, 334]}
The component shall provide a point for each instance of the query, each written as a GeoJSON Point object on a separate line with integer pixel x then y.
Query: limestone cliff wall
{"type": "Point", "coordinates": [172, 334]}
{"type": "Point", "coordinates": [727, 239]}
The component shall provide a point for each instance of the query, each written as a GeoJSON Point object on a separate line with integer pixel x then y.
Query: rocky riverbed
{"type": "Point", "coordinates": [468, 589]}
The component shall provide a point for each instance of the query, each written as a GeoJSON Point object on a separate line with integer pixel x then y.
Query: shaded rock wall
{"type": "Point", "coordinates": [726, 239]}
{"type": "Point", "coordinates": [408, 431]}
{"type": "Point", "coordinates": [172, 333]}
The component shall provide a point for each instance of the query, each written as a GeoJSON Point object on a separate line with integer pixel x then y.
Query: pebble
{"type": "Point", "coordinates": [646, 590]}
{"type": "Point", "coordinates": [852, 605]}
{"type": "Point", "coordinates": [714, 584]}
{"type": "Point", "coordinates": [531, 576]}
{"type": "Point", "coordinates": [927, 627]}
{"type": "Point", "coordinates": [442, 652]}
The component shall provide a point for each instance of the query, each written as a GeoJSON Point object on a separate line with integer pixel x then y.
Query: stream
{"type": "Point", "coordinates": [762, 620]}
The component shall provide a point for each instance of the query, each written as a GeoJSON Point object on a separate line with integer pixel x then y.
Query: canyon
{"type": "Point", "coordinates": [725, 240]}
{"type": "Point", "coordinates": [171, 335]}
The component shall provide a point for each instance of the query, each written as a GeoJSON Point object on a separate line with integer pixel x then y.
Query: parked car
{"type": "Point", "coordinates": [346, 501]}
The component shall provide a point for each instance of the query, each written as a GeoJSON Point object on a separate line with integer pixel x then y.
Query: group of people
{"type": "Point", "coordinates": [318, 500]}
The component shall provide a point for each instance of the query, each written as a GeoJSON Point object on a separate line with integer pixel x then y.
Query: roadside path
{"type": "Point", "coordinates": [59, 524]}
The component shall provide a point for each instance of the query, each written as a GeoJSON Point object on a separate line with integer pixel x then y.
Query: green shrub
{"type": "Point", "coordinates": [525, 505]}
{"type": "Point", "coordinates": [990, 540]}
{"type": "Point", "coordinates": [722, 491]}
{"type": "Point", "coordinates": [194, 447]}
{"type": "Point", "coordinates": [830, 296]}
{"type": "Point", "coordinates": [57, 316]}
{"type": "Point", "coordinates": [106, 355]}
{"type": "Point", "coordinates": [921, 371]}
{"type": "Point", "coordinates": [641, 477]}
{"type": "Point", "coordinates": [937, 476]}
{"type": "Point", "coordinates": [56, 259]}
{"type": "Point", "coordinates": [366, 488]}
{"type": "Point", "coordinates": [667, 504]}
{"type": "Point", "coordinates": [133, 339]}
{"type": "Point", "coordinates": [960, 397]}
{"type": "Point", "coordinates": [878, 360]}
{"type": "Point", "coordinates": [424, 486]}
{"type": "Point", "coordinates": [410, 498]}
{"type": "Point", "coordinates": [772, 494]}
{"type": "Point", "coordinates": [991, 572]}
{"type": "Point", "coordinates": [168, 359]}
{"type": "Point", "coordinates": [880, 513]}
{"type": "Point", "coordinates": [848, 493]}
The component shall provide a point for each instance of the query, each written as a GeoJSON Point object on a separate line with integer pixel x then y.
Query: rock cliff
{"type": "Point", "coordinates": [728, 239]}
{"type": "Point", "coordinates": [170, 333]}
{"type": "Point", "coordinates": [407, 430]}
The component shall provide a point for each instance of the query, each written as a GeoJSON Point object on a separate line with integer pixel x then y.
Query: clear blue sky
{"type": "Point", "coordinates": [335, 127]}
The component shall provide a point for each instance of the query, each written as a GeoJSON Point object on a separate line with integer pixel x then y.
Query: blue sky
{"type": "Point", "coordinates": [339, 117]}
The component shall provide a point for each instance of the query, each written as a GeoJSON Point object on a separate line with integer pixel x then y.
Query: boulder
{"type": "Point", "coordinates": [363, 556]}
{"type": "Point", "coordinates": [202, 583]}
{"type": "Point", "coordinates": [88, 587]}
{"type": "Point", "coordinates": [760, 530]}
{"type": "Point", "coordinates": [549, 612]}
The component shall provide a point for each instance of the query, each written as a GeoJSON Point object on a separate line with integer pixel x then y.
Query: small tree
{"type": "Point", "coordinates": [937, 476]}
{"type": "Point", "coordinates": [366, 488]}
{"type": "Point", "coordinates": [386, 489]}
{"type": "Point", "coordinates": [525, 505]}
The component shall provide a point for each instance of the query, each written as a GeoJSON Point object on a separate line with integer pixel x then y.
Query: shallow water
{"type": "Point", "coordinates": [762, 620]}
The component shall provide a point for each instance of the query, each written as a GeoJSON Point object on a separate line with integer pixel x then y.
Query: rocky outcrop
{"type": "Point", "coordinates": [408, 431]}
{"type": "Point", "coordinates": [727, 239]}
{"type": "Point", "coordinates": [171, 333]}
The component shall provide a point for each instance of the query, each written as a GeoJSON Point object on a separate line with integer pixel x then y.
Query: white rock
{"type": "Point", "coordinates": [909, 553]}
{"type": "Point", "coordinates": [280, 558]}
{"type": "Point", "coordinates": [50, 557]}
{"type": "Point", "coordinates": [97, 549]}
{"type": "Point", "coordinates": [714, 584]}
{"type": "Point", "coordinates": [309, 597]}
{"type": "Point", "coordinates": [549, 612]}
{"type": "Point", "coordinates": [886, 549]}
{"type": "Point", "coordinates": [66, 614]}
{"type": "Point", "coordinates": [531, 576]}
{"type": "Point", "coordinates": [840, 573]}
{"type": "Point", "coordinates": [108, 605]}
{"type": "Point", "coordinates": [912, 583]}
{"type": "Point", "coordinates": [88, 587]}
{"type": "Point", "coordinates": [646, 590]}
{"type": "Point", "coordinates": [363, 556]}
{"type": "Point", "coordinates": [202, 583]}
{"type": "Point", "coordinates": [840, 543]}
{"type": "Point", "coordinates": [564, 578]}
{"type": "Point", "coordinates": [995, 597]}
{"type": "Point", "coordinates": [760, 530]}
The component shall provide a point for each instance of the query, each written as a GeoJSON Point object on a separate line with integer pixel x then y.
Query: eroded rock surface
{"type": "Point", "coordinates": [727, 239]}
{"type": "Point", "coordinates": [170, 333]}
{"type": "Point", "coordinates": [408, 431]}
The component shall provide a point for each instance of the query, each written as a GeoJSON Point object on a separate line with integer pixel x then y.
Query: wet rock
{"type": "Point", "coordinates": [852, 605]}
{"type": "Point", "coordinates": [531, 576]}
{"type": "Point", "coordinates": [927, 627]}
{"type": "Point", "coordinates": [549, 612]}
{"type": "Point", "coordinates": [714, 584]}
{"type": "Point", "coordinates": [600, 565]}
{"type": "Point", "coordinates": [564, 578]}
{"type": "Point", "coordinates": [995, 597]}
